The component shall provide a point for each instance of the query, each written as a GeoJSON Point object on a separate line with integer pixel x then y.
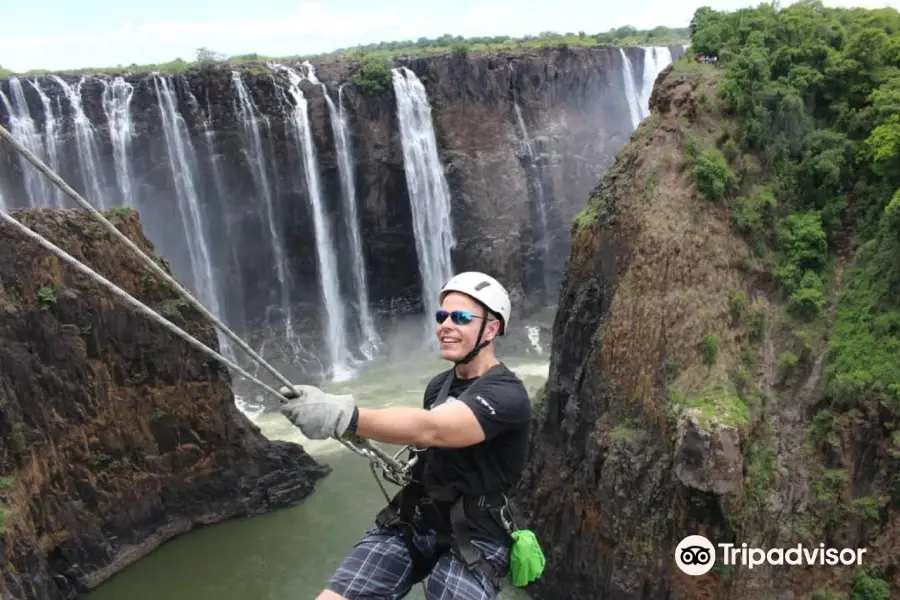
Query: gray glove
{"type": "Point", "coordinates": [317, 414]}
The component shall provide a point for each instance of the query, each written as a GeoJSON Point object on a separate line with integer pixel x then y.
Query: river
{"type": "Point", "coordinates": [290, 553]}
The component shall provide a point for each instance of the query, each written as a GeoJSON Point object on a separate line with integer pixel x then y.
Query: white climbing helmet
{"type": "Point", "coordinates": [485, 289]}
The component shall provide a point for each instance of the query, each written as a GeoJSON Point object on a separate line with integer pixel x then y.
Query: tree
{"type": "Point", "coordinates": [207, 55]}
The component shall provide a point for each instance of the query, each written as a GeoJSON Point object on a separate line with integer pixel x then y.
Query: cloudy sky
{"type": "Point", "coordinates": [60, 34]}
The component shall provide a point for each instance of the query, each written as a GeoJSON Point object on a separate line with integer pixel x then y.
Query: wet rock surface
{"type": "Point", "coordinates": [115, 435]}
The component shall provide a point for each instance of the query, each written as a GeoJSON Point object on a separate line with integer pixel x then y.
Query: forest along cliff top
{"type": "Point", "coordinates": [724, 353]}
{"type": "Point", "coordinates": [383, 53]}
{"type": "Point", "coordinates": [115, 435]}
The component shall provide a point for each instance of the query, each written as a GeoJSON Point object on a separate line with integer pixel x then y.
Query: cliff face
{"type": "Point", "coordinates": [572, 103]}
{"type": "Point", "coordinates": [668, 411]}
{"type": "Point", "coordinates": [115, 435]}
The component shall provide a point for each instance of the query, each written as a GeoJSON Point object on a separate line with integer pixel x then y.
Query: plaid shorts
{"type": "Point", "coordinates": [380, 568]}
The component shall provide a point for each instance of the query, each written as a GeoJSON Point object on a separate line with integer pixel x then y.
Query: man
{"type": "Point", "coordinates": [450, 524]}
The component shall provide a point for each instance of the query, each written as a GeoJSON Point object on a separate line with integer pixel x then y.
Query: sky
{"type": "Point", "coordinates": [61, 34]}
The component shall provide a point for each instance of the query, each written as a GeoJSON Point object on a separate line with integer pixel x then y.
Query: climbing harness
{"type": "Point", "coordinates": [445, 510]}
{"type": "Point", "coordinates": [380, 461]}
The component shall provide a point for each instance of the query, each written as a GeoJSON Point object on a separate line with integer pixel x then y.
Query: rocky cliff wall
{"type": "Point", "coordinates": [115, 435]}
{"type": "Point", "coordinates": [670, 409]}
{"type": "Point", "coordinates": [572, 102]}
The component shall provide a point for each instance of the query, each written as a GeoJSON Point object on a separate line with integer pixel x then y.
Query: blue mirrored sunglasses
{"type": "Point", "coordinates": [459, 317]}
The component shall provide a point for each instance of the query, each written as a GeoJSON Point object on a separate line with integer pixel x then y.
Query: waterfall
{"type": "Point", "coordinates": [236, 294]}
{"type": "Point", "coordinates": [537, 184]}
{"type": "Point", "coordinates": [250, 118]}
{"type": "Point", "coordinates": [370, 340]}
{"type": "Point", "coordinates": [86, 141]}
{"type": "Point", "coordinates": [183, 163]}
{"type": "Point", "coordinates": [537, 179]}
{"type": "Point", "coordinates": [631, 94]}
{"type": "Point", "coordinates": [52, 127]}
{"type": "Point", "coordinates": [117, 108]}
{"type": "Point", "coordinates": [429, 194]}
{"type": "Point", "coordinates": [655, 60]}
{"type": "Point", "coordinates": [37, 187]}
{"type": "Point", "coordinates": [325, 251]}
{"type": "Point", "coordinates": [2, 200]}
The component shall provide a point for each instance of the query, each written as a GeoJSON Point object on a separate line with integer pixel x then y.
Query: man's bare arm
{"type": "Point", "coordinates": [451, 425]}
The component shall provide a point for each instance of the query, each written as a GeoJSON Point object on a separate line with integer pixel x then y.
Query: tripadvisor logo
{"type": "Point", "coordinates": [696, 555]}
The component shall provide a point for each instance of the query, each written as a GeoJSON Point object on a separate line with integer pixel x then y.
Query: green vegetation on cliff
{"type": "Point", "coordinates": [815, 94]}
{"type": "Point", "coordinates": [806, 161]}
{"type": "Point", "coordinates": [621, 36]}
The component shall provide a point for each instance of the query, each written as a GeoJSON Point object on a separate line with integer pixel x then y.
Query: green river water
{"type": "Point", "coordinates": [289, 554]}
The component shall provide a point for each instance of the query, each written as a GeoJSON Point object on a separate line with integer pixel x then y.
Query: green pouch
{"type": "Point", "coordinates": [526, 559]}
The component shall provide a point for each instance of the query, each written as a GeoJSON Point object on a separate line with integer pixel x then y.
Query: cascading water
{"type": "Point", "coordinates": [370, 342]}
{"type": "Point", "coordinates": [655, 60]}
{"type": "Point", "coordinates": [429, 193]}
{"type": "Point", "coordinates": [537, 179]}
{"type": "Point", "coordinates": [22, 127]}
{"type": "Point", "coordinates": [236, 293]}
{"type": "Point", "coordinates": [117, 98]}
{"type": "Point", "coordinates": [325, 252]}
{"type": "Point", "coordinates": [631, 93]}
{"type": "Point", "coordinates": [52, 127]}
{"type": "Point", "coordinates": [544, 241]}
{"type": "Point", "coordinates": [250, 118]}
{"type": "Point", "coordinates": [86, 141]}
{"type": "Point", "coordinates": [183, 164]}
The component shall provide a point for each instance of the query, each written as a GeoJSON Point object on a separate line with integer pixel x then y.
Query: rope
{"type": "Point", "coordinates": [48, 172]}
{"type": "Point", "coordinates": [134, 302]}
{"type": "Point", "coordinates": [363, 448]}
{"type": "Point", "coordinates": [367, 451]}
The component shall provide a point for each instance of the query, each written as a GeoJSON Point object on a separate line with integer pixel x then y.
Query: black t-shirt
{"type": "Point", "coordinates": [502, 406]}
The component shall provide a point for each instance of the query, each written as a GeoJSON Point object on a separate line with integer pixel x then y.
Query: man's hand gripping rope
{"type": "Point", "coordinates": [319, 416]}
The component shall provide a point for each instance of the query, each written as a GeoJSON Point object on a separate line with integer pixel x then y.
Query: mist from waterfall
{"type": "Point", "coordinates": [52, 128]}
{"type": "Point", "coordinates": [250, 118]}
{"type": "Point", "coordinates": [537, 184]}
{"type": "Point", "coordinates": [336, 334]}
{"type": "Point", "coordinates": [23, 128]}
{"type": "Point", "coordinates": [86, 144]}
{"type": "Point", "coordinates": [429, 193]}
{"type": "Point", "coordinates": [537, 177]}
{"type": "Point", "coordinates": [117, 97]}
{"type": "Point", "coordinates": [235, 294]}
{"type": "Point", "coordinates": [183, 163]}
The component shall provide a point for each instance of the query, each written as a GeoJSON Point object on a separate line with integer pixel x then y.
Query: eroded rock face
{"type": "Point", "coordinates": [571, 102]}
{"type": "Point", "coordinates": [643, 438]}
{"type": "Point", "coordinates": [708, 460]}
{"type": "Point", "coordinates": [115, 435]}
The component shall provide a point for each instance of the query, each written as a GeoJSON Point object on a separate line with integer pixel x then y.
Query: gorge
{"type": "Point", "coordinates": [310, 204]}
{"type": "Point", "coordinates": [715, 242]}
{"type": "Point", "coordinates": [306, 210]}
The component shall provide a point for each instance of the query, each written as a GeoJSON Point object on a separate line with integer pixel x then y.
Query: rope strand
{"type": "Point", "coordinates": [364, 448]}
{"type": "Point", "coordinates": [48, 172]}
{"type": "Point", "coordinates": [134, 302]}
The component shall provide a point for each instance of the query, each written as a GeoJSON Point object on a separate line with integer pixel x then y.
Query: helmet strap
{"type": "Point", "coordinates": [479, 344]}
